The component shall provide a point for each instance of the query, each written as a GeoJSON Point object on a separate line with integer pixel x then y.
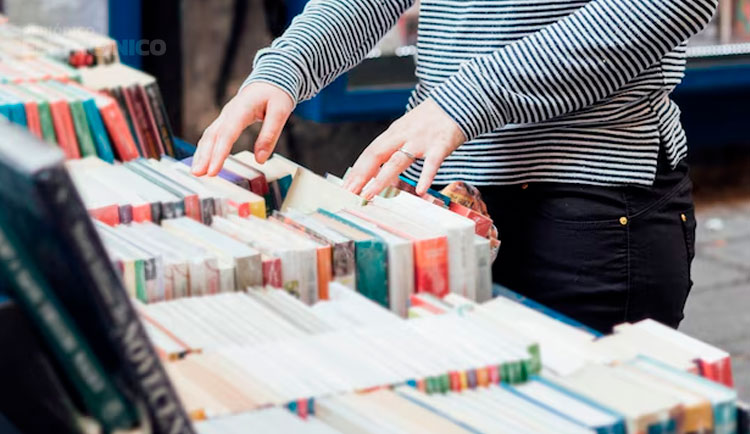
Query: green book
{"type": "Point", "coordinates": [98, 392]}
{"type": "Point", "coordinates": [371, 255]}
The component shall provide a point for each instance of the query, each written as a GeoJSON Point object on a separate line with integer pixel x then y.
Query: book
{"type": "Point", "coordinates": [371, 254]}
{"type": "Point", "coordinates": [96, 388]}
{"type": "Point", "coordinates": [51, 220]}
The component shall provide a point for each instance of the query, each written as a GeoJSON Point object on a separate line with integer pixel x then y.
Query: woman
{"type": "Point", "coordinates": [558, 109]}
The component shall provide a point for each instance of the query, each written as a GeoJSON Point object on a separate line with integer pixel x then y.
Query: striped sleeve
{"type": "Point", "coordinates": [328, 38]}
{"type": "Point", "coordinates": [569, 65]}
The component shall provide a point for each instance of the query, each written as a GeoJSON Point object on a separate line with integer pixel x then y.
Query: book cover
{"type": "Point", "coordinates": [152, 130]}
{"type": "Point", "coordinates": [50, 218]}
{"type": "Point", "coordinates": [99, 393]}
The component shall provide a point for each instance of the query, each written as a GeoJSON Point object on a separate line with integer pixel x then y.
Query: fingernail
{"type": "Point", "coordinates": [261, 156]}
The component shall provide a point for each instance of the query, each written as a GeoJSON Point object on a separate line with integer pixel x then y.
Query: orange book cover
{"type": "Point", "coordinates": [32, 118]}
{"type": "Point", "coordinates": [193, 207]}
{"type": "Point", "coordinates": [142, 213]}
{"type": "Point", "coordinates": [118, 130]}
{"type": "Point", "coordinates": [64, 130]}
{"type": "Point", "coordinates": [109, 214]}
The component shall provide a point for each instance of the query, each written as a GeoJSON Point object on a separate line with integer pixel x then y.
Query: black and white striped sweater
{"type": "Point", "coordinates": [545, 90]}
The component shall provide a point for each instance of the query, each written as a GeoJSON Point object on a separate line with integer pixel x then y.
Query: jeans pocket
{"type": "Point", "coordinates": [689, 225]}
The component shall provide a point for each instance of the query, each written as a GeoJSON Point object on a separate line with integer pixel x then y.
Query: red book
{"type": "Point", "coordinates": [272, 272]}
{"type": "Point", "coordinates": [430, 249]}
{"type": "Point", "coordinates": [483, 223]}
{"type": "Point", "coordinates": [142, 213]}
{"type": "Point", "coordinates": [130, 104]}
{"type": "Point", "coordinates": [152, 130]}
{"type": "Point", "coordinates": [107, 214]}
{"type": "Point", "coordinates": [116, 124]}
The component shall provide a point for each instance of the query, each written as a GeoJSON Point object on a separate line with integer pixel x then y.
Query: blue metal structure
{"type": "Point", "coordinates": [125, 27]}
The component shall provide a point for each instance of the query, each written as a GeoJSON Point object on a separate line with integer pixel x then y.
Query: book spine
{"type": "Point", "coordinates": [119, 132]}
{"type": "Point", "coordinates": [108, 214]}
{"type": "Point", "coordinates": [82, 129]}
{"type": "Point", "coordinates": [32, 116]}
{"type": "Point", "coordinates": [98, 132]}
{"type": "Point", "coordinates": [160, 115]}
{"type": "Point", "coordinates": [45, 120]}
{"type": "Point", "coordinates": [372, 273]}
{"type": "Point", "coordinates": [272, 272]}
{"type": "Point", "coordinates": [99, 394]}
{"type": "Point", "coordinates": [127, 334]}
{"type": "Point", "coordinates": [153, 128]}
{"type": "Point", "coordinates": [126, 109]}
{"type": "Point", "coordinates": [431, 266]}
{"type": "Point", "coordinates": [61, 120]}
{"type": "Point", "coordinates": [345, 264]}
{"type": "Point", "coordinates": [138, 119]}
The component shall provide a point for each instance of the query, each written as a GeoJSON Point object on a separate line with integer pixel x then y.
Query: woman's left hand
{"type": "Point", "coordinates": [425, 132]}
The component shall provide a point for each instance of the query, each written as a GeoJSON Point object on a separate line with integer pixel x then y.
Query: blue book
{"type": "Point", "coordinates": [16, 111]}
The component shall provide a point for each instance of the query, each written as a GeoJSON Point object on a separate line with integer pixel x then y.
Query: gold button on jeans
{"type": "Point", "coordinates": [623, 221]}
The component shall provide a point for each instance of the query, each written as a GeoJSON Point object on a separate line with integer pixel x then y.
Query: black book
{"type": "Point", "coordinates": [46, 213]}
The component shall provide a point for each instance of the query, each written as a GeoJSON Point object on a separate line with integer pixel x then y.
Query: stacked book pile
{"type": "Point", "coordinates": [257, 357]}
{"type": "Point", "coordinates": [104, 108]}
{"type": "Point", "coordinates": [77, 47]}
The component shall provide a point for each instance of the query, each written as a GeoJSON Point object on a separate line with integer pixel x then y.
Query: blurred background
{"type": "Point", "coordinates": [209, 47]}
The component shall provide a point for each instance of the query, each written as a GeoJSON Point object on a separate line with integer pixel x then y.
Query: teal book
{"type": "Point", "coordinates": [16, 112]}
{"type": "Point", "coordinates": [371, 256]}
{"type": "Point", "coordinates": [97, 390]}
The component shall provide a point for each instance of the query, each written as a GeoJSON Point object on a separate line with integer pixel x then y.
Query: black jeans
{"type": "Point", "coordinates": [601, 255]}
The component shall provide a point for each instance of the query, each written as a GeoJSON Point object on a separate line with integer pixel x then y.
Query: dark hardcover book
{"type": "Point", "coordinates": [34, 398]}
{"type": "Point", "coordinates": [143, 121]}
{"type": "Point", "coordinates": [47, 214]}
{"type": "Point", "coordinates": [118, 95]}
{"type": "Point", "coordinates": [160, 115]}
{"type": "Point", "coordinates": [153, 128]}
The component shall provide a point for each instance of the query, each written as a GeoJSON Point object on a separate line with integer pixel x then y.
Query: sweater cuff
{"type": "Point", "coordinates": [273, 68]}
{"type": "Point", "coordinates": [465, 101]}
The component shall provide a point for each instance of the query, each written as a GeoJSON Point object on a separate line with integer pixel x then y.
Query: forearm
{"type": "Point", "coordinates": [327, 39]}
{"type": "Point", "coordinates": [572, 64]}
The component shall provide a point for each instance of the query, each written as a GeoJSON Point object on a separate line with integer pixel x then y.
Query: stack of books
{"type": "Point", "coordinates": [103, 108]}
{"type": "Point", "coordinates": [77, 47]}
{"type": "Point", "coordinates": [115, 307]}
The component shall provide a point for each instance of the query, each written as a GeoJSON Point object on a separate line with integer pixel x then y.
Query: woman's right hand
{"type": "Point", "coordinates": [258, 102]}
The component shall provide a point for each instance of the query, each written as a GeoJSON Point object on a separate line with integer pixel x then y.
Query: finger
{"type": "Point", "coordinates": [204, 150]}
{"type": "Point", "coordinates": [232, 125]}
{"type": "Point", "coordinates": [429, 170]}
{"type": "Point", "coordinates": [273, 123]}
{"type": "Point", "coordinates": [368, 163]}
{"type": "Point", "coordinates": [388, 172]}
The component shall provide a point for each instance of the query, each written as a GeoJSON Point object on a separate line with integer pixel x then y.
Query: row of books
{"type": "Point", "coordinates": [82, 122]}
{"type": "Point", "coordinates": [688, 404]}
{"type": "Point", "coordinates": [15, 70]}
{"type": "Point", "coordinates": [376, 249]}
{"type": "Point", "coordinates": [257, 339]}
{"type": "Point", "coordinates": [123, 121]}
{"type": "Point", "coordinates": [316, 360]}
{"type": "Point", "coordinates": [77, 47]}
